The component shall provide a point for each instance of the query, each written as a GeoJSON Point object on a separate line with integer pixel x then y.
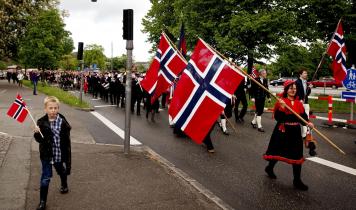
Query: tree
{"type": "Point", "coordinates": [246, 30]}
{"type": "Point", "coordinates": [119, 62]}
{"type": "Point", "coordinates": [94, 54]}
{"type": "Point", "coordinates": [45, 41]}
{"type": "Point", "coordinates": [68, 62]}
{"type": "Point", "coordinates": [14, 19]}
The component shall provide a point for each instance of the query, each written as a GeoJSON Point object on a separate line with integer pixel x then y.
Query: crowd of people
{"type": "Point", "coordinates": [286, 142]}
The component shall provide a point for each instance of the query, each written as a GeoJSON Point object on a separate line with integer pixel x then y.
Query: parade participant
{"type": "Point", "coordinates": [303, 91]}
{"type": "Point", "coordinates": [207, 141]}
{"type": "Point", "coordinates": [227, 113]}
{"type": "Point", "coordinates": [54, 147]}
{"type": "Point", "coordinates": [240, 96]}
{"type": "Point", "coordinates": [20, 77]}
{"type": "Point", "coordinates": [258, 95]}
{"type": "Point", "coordinates": [286, 143]}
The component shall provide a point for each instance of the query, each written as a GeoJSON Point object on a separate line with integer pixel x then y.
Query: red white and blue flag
{"type": "Point", "coordinates": [18, 109]}
{"type": "Point", "coordinates": [337, 50]}
{"type": "Point", "coordinates": [202, 92]}
{"type": "Point", "coordinates": [164, 69]}
{"type": "Point", "coordinates": [254, 74]}
{"type": "Point", "coordinates": [182, 44]}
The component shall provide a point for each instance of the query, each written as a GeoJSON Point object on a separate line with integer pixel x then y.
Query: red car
{"type": "Point", "coordinates": [326, 82]}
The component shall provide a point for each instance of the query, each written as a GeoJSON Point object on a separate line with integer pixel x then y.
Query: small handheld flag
{"type": "Point", "coordinates": [18, 109]}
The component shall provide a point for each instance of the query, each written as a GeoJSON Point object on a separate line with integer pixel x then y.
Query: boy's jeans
{"type": "Point", "coordinates": [47, 173]}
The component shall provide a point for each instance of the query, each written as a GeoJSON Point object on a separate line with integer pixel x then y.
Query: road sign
{"type": "Point", "coordinates": [350, 80]}
{"type": "Point", "coordinates": [348, 95]}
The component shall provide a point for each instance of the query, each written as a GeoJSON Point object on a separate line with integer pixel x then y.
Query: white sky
{"type": "Point", "coordinates": [101, 23]}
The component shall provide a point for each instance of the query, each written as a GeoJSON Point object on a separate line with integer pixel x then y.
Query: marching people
{"type": "Point", "coordinates": [286, 143]}
{"type": "Point", "coordinates": [20, 77]}
{"type": "Point", "coordinates": [240, 96]}
{"type": "Point", "coordinates": [227, 113]}
{"type": "Point", "coordinates": [54, 147]}
{"type": "Point", "coordinates": [258, 95]}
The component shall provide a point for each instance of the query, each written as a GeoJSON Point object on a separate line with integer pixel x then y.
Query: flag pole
{"type": "Point", "coordinates": [175, 47]}
{"type": "Point", "coordinates": [233, 127]}
{"type": "Point", "coordinates": [265, 89]}
{"type": "Point", "coordinates": [322, 58]}
{"type": "Point", "coordinates": [33, 120]}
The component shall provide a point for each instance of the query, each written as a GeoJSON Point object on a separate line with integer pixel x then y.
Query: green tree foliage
{"type": "Point", "coordinates": [248, 30]}
{"type": "Point", "coordinates": [45, 41]}
{"type": "Point", "coordinates": [119, 63]}
{"type": "Point", "coordinates": [94, 54]}
{"type": "Point", "coordinates": [69, 62]}
{"type": "Point", "coordinates": [14, 19]}
{"type": "Point", "coordinates": [292, 58]}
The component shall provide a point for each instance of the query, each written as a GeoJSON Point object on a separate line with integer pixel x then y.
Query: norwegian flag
{"type": "Point", "coordinates": [337, 51]}
{"type": "Point", "coordinates": [18, 109]}
{"type": "Point", "coordinates": [254, 73]}
{"type": "Point", "coordinates": [202, 92]}
{"type": "Point", "coordinates": [164, 69]}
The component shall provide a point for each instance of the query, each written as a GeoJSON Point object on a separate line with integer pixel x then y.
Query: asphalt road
{"type": "Point", "coordinates": [235, 173]}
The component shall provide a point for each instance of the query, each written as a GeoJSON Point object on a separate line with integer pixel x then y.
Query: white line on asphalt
{"type": "Point", "coordinates": [3, 91]}
{"type": "Point", "coordinates": [95, 99]}
{"type": "Point", "coordinates": [103, 106]}
{"type": "Point", "coordinates": [114, 128]}
{"type": "Point", "coordinates": [3, 133]}
{"type": "Point", "coordinates": [333, 165]}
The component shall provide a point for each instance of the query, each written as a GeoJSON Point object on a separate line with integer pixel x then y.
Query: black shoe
{"type": "Point", "coordinates": [42, 205]}
{"type": "Point", "coordinates": [254, 125]}
{"type": "Point", "coordinates": [241, 120]}
{"type": "Point", "coordinates": [261, 129]}
{"type": "Point", "coordinates": [270, 173]}
{"type": "Point", "coordinates": [226, 133]}
{"type": "Point", "coordinates": [298, 184]}
{"type": "Point", "coordinates": [63, 190]}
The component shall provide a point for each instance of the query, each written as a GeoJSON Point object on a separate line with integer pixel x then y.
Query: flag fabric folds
{"type": "Point", "coordinates": [18, 109]}
{"type": "Point", "coordinates": [182, 45]}
{"type": "Point", "coordinates": [164, 69]}
{"type": "Point", "coordinates": [202, 92]}
{"type": "Point", "coordinates": [337, 50]}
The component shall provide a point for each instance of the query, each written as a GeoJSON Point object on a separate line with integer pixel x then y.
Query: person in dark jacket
{"type": "Point", "coordinates": [53, 135]}
{"type": "Point", "coordinates": [303, 91]}
{"type": "Point", "coordinates": [240, 96]}
{"type": "Point", "coordinates": [258, 95]}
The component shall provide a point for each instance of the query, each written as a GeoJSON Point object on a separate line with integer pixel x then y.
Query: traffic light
{"type": "Point", "coordinates": [80, 51]}
{"type": "Point", "coordinates": [128, 24]}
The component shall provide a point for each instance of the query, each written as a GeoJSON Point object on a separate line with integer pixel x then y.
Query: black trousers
{"type": "Point", "coordinates": [241, 98]}
{"type": "Point", "coordinates": [260, 105]}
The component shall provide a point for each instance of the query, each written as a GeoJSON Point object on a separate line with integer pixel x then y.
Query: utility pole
{"type": "Point", "coordinates": [81, 61]}
{"type": "Point", "coordinates": [128, 36]}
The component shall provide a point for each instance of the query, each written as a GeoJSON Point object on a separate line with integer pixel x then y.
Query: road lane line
{"type": "Point", "coordinates": [333, 165]}
{"type": "Point", "coordinates": [114, 128]}
{"type": "Point", "coordinates": [99, 106]}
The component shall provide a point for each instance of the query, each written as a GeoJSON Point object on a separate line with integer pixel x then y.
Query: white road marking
{"type": "Point", "coordinates": [95, 99]}
{"type": "Point", "coordinates": [114, 128]}
{"type": "Point", "coordinates": [3, 91]}
{"type": "Point", "coordinates": [333, 165]}
{"type": "Point", "coordinates": [103, 106]}
{"type": "Point", "coordinates": [3, 133]}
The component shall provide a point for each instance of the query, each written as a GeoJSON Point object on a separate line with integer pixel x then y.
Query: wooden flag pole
{"type": "Point", "coordinates": [175, 47]}
{"type": "Point", "coordinates": [265, 89]}
{"type": "Point", "coordinates": [33, 120]}
{"type": "Point", "coordinates": [233, 127]}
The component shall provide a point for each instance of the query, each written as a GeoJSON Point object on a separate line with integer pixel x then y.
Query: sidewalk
{"type": "Point", "coordinates": [102, 176]}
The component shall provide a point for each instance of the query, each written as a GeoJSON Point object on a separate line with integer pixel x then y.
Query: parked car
{"type": "Point", "coordinates": [281, 81]}
{"type": "Point", "coordinates": [326, 82]}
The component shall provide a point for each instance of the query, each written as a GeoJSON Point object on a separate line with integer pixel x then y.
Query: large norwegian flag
{"type": "Point", "coordinates": [202, 92]}
{"type": "Point", "coordinates": [164, 69]}
{"type": "Point", "coordinates": [337, 50]}
{"type": "Point", "coordinates": [18, 109]}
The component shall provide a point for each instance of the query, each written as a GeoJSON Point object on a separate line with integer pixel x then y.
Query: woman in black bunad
{"type": "Point", "coordinates": [286, 143]}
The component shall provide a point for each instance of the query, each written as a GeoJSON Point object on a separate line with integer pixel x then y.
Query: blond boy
{"type": "Point", "coordinates": [54, 147]}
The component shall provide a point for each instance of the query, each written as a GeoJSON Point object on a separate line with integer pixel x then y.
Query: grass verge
{"type": "Point", "coordinates": [63, 96]}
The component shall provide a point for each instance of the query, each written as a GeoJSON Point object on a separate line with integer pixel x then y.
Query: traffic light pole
{"type": "Point", "coordinates": [129, 48]}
